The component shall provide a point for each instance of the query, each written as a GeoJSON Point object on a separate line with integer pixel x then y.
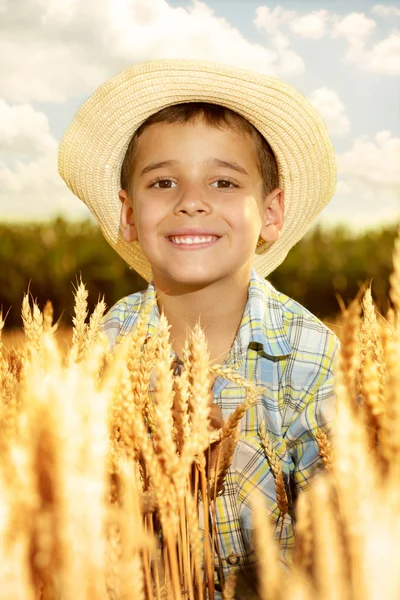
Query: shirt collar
{"type": "Point", "coordinates": [262, 322]}
{"type": "Point", "coordinates": [263, 319]}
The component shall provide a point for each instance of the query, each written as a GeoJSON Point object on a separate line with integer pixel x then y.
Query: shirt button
{"type": "Point", "coordinates": [233, 560]}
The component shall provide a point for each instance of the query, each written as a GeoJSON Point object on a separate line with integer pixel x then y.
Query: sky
{"type": "Point", "coordinates": [344, 55]}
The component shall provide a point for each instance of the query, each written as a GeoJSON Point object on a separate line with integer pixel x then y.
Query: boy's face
{"type": "Point", "coordinates": [195, 193]}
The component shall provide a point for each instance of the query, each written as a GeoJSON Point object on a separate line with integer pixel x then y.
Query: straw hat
{"type": "Point", "coordinates": [93, 148]}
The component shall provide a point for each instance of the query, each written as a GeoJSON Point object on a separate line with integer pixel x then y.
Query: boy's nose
{"type": "Point", "coordinates": [192, 201]}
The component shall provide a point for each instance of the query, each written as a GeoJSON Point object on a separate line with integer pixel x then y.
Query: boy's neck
{"type": "Point", "coordinates": [218, 308]}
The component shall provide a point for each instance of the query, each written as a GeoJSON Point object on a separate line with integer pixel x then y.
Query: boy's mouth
{"type": "Point", "coordinates": [193, 242]}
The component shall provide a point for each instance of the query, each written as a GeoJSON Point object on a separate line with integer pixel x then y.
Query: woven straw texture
{"type": "Point", "coordinates": [93, 148]}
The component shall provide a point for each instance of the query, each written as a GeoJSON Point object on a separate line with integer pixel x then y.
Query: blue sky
{"type": "Point", "coordinates": [343, 55]}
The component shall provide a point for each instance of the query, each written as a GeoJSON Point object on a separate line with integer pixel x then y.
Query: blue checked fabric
{"type": "Point", "coordinates": [284, 347]}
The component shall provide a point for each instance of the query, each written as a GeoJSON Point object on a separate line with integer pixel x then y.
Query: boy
{"type": "Point", "coordinates": [202, 177]}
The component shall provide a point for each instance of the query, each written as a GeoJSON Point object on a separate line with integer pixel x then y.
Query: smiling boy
{"type": "Point", "coordinates": [202, 177]}
{"type": "Point", "coordinates": [198, 219]}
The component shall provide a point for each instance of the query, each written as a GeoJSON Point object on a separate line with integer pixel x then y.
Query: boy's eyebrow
{"type": "Point", "coordinates": [215, 161]}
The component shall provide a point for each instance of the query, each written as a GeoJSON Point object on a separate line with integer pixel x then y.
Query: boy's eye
{"type": "Point", "coordinates": [228, 181]}
{"type": "Point", "coordinates": [159, 180]}
{"type": "Point", "coordinates": [167, 181]}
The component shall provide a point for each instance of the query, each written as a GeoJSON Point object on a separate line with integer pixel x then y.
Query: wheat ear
{"type": "Point", "coordinates": [374, 406]}
{"type": "Point", "coordinates": [348, 355]}
{"type": "Point", "coordinates": [372, 369]}
{"type": "Point", "coordinates": [276, 469]}
{"type": "Point", "coordinates": [33, 326]}
{"type": "Point", "coordinates": [389, 435]}
{"type": "Point", "coordinates": [27, 317]}
{"type": "Point", "coordinates": [142, 396]}
{"type": "Point", "coordinates": [199, 400]}
{"type": "Point", "coordinates": [225, 458]}
{"type": "Point", "coordinates": [95, 322]}
{"type": "Point", "coordinates": [253, 392]}
{"type": "Point", "coordinates": [48, 315]}
{"type": "Point", "coordinates": [181, 401]}
{"type": "Point", "coordinates": [325, 448]}
{"type": "Point", "coordinates": [79, 332]}
{"type": "Point", "coordinates": [164, 442]}
{"type": "Point", "coordinates": [137, 340]}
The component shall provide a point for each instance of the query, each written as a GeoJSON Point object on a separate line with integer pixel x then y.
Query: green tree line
{"type": "Point", "coordinates": [49, 259]}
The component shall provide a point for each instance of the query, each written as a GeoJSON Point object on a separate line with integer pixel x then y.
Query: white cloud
{"type": "Point", "coordinates": [368, 190]}
{"type": "Point", "coordinates": [343, 188]}
{"type": "Point", "coordinates": [269, 21]}
{"type": "Point", "coordinates": [29, 182]}
{"type": "Point", "coordinates": [374, 162]}
{"type": "Point", "coordinates": [24, 131]}
{"type": "Point", "coordinates": [28, 177]}
{"type": "Point", "coordinates": [71, 47]}
{"type": "Point", "coordinates": [361, 208]}
{"type": "Point", "coordinates": [332, 110]}
{"type": "Point", "coordinates": [382, 57]}
{"type": "Point", "coordinates": [385, 56]}
{"type": "Point", "coordinates": [54, 11]}
{"type": "Point", "coordinates": [33, 190]}
{"type": "Point", "coordinates": [311, 25]}
{"type": "Point", "coordinates": [385, 10]}
{"type": "Point", "coordinates": [354, 27]}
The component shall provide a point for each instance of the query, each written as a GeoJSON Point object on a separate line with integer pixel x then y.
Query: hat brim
{"type": "Point", "coordinates": [93, 148]}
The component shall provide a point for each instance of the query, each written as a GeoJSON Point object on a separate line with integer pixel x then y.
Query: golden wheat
{"type": "Point", "coordinates": [107, 490]}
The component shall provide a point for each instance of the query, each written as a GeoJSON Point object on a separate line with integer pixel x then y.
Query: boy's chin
{"type": "Point", "coordinates": [187, 277]}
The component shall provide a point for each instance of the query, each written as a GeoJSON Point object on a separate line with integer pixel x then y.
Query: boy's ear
{"type": "Point", "coordinates": [127, 218]}
{"type": "Point", "coordinates": [273, 218]}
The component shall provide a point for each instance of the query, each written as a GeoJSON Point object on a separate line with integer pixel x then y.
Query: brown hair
{"type": "Point", "coordinates": [214, 115]}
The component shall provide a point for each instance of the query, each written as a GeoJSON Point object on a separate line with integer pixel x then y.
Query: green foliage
{"type": "Point", "coordinates": [49, 258]}
{"type": "Point", "coordinates": [327, 263]}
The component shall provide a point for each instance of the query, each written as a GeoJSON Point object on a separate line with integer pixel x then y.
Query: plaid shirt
{"type": "Point", "coordinates": [284, 347]}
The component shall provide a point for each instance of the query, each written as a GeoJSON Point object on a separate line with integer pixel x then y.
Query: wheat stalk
{"type": "Point", "coordinates": [269, 574]}
{"type": "Point", "coordinates": [229, 587]}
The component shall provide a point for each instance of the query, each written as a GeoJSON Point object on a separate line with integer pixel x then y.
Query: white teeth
{"type": "Point", "coordinates": [192, 240]}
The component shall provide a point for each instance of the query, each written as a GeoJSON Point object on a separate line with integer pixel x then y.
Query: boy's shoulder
{"type": "Point", "coordinates": [306, 333]}
{"type": "Point", "coordinates": [121, 317]}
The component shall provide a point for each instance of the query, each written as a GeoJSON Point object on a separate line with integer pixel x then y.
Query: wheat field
{"type": "Point", "coordinates": [101, 484]}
